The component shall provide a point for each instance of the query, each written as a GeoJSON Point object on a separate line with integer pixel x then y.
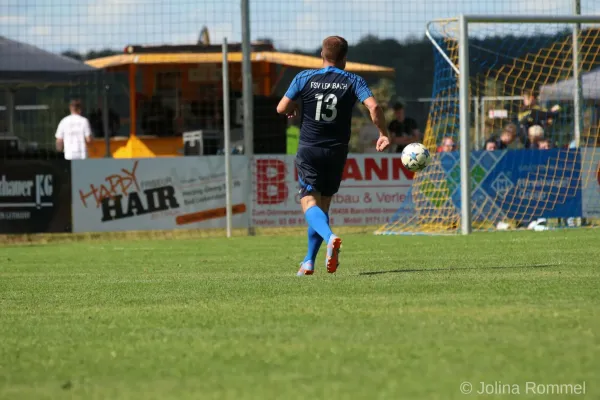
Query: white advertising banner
{"type": "Point", "coordinates": [373, 189]}
{"type": "Point", "coordinates": [156, 193]}
{"type": "Point", "coordinates": [591, 182]}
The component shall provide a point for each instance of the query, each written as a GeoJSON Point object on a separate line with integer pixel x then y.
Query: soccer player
{"type": "Point", "coordinates": [327, 97]}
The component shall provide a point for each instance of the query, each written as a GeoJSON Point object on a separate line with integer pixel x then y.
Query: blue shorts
{"type": "Point", "coordinates": [320, 169]}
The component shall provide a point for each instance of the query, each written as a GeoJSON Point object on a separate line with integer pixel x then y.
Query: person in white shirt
{"type": "Point", "coordinates": [74, 133]}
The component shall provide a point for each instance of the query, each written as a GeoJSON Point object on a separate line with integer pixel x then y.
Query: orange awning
{"type": "Point", "coordinates": [287, 59]}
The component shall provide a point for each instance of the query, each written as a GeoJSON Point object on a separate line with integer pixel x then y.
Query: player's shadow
{"type": "Point", "coordinates": [401, 271]}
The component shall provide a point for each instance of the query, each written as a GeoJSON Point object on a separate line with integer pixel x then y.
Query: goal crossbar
{"type": "Point", "coordinates": [507, 19]}
{"type": "Point", "coordinates": [462, 70]}
{"type": "Point", "coordinates": [535, 19]}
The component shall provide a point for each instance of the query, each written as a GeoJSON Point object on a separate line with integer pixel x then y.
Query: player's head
{"type": "Point", "coordinates": [399, 111]}
{"type": "Point", "coordinates": [334, 51]}
{"type": "Point", "coordinates": [75, 106]}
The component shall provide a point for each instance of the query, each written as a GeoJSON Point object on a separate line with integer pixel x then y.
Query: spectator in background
{"type": "Point", "coordinates": [74, 133]}
{"type": "Point", "coordinates": [544, 144]}
{"type": "Point", "coordinates": [531, 114]}
{"type": "Point", "coordinates": [534, 135]}
{"type": "Point", "coordinates": [447, 145]}
{"type": "Point", "coordinates": [368, 136]}
{"type": "Point", "coordinates": [491, 145]}
{"type": "Point", "coordinates": [404, 130]}
{"type": "Point", "coordinates": [507, 139]}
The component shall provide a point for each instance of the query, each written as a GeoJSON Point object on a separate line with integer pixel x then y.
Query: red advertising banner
{"type": "Point", "coordinates": [372, 190]}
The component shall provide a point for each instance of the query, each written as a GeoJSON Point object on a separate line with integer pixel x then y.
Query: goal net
{"type": "Point", "coordinates": [530, 164]}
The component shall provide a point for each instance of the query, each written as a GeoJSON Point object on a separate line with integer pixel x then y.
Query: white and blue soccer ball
{"type": "Point", "coordinates": [415, 157]}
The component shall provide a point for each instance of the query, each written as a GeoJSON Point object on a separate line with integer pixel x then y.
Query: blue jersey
{"type": "Point", "coordinates": [328, 96]}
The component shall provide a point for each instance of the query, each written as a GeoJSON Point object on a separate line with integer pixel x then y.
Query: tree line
{"type": "Point", "coordinates": [414, 60]}
{"type": "Point", "coordinates": [420, 71]}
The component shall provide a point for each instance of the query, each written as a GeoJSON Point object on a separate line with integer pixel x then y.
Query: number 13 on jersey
{"type": "Point", "coordinates": [330, 102]}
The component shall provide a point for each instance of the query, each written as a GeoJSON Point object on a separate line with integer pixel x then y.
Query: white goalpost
{"type": "Point", "coordinates": [463, 23]}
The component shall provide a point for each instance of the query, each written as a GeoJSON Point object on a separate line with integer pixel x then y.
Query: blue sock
{"type": "Point", "coordinates": [318, 220]}
{"type": "Point", "coordinates": [314, 243]}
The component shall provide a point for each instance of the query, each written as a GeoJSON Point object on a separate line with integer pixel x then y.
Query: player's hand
{"type": "Point", "coordinates": [382, 143]}
{"type": "Point", "coordinates": [555, 108]}
{"type": "Point", "coordinates": [294, 112]}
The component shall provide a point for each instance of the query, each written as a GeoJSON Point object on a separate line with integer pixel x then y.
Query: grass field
{"type": "Point", "coordinates": [404, 318]}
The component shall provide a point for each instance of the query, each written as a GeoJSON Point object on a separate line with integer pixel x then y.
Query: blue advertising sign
{"type": "Point", "coordinates": [519, 184]}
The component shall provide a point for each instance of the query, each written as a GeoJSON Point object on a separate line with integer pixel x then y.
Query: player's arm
{"type": "Point", "coordinates": [365, 96]}
{"type": "Point", "coordinates": [378, 118]}
{"type": "Point", "coordinates": [376, 113]}
{"type": "Point", "coordinates": [287, 105]}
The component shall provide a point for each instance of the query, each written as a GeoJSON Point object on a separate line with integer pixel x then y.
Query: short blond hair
{"type": "Point", "coordinates": [535, 132]}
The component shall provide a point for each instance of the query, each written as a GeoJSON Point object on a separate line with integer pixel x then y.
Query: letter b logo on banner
{"type": "Point", "coordinates": [271, 187]}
